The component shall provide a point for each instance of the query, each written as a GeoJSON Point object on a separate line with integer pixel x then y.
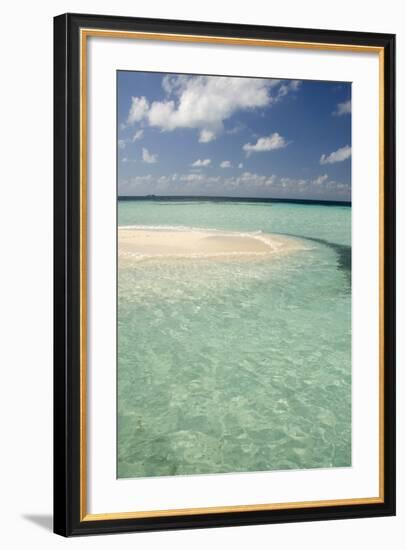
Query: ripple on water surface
{"type": "Point", "coordinates": [234, 366]}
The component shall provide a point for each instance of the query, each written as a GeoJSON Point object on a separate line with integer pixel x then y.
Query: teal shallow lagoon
{"type": "Point", "coordinates": [231, 366]}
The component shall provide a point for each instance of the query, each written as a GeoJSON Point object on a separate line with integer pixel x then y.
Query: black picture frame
{"type": "Point", "coordinates": [68, 520]}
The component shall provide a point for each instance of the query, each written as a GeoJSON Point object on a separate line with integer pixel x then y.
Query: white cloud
{"type": "Point", "coordinates": [240, 165]}
{"type": "Point", "coordinates": [148, 157]}
{"type": "Point", "coordinates": [205, 102]}
{"type": "Point", "coordinates": [138, 135]}
{"type": "Point", "coordinates": [206, 135]}
{"type": "Point", "coordinates": [336, 156]}
{"type": "Point", "coordinates": [121, 144]}
{"type": "Point", "coordinates": [343, 108]}
{"type": "Point", "coordinates": [293, 183]}
{"type": "Point", "coordinates": [246, 184]}
{"type": "Point", "coordinates": [138, 110]}
{"type": "Point", "coordinates": [320, 180]}
{"type": "Point", "coordinates": [191, 177]}
{"type": "Point", "coordinates": [274, 141]}
{"type": "Point", "coordinates": [225, 164]}
{"type": "Point", "coordinates": [287, 87]}
{"type": "Point", "coordinates": [253, 180]}
{"type": "Point", "coordinates": [235, 130]}
{"type": "Point", "coordinates": [173, 82]}
{"type": "Point", "coordinates": [199, 163]}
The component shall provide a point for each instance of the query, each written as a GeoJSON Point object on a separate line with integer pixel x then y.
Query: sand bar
{"type": "Point", "coordinates": [158, 243]}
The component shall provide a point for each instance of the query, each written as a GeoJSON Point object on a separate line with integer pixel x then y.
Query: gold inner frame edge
{"type": "Point", "coordinates": [173, 37]}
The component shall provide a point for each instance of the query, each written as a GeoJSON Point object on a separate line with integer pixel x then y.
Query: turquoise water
{"type": "Point", "coordinates": [229, 366]}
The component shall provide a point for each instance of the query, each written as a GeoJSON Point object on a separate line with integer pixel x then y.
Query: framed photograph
{"type": "Point", "coordinates": [224, 274]}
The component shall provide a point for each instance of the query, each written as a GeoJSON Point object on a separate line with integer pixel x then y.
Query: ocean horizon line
{"type": "Point", "coordinates": [232, 199]}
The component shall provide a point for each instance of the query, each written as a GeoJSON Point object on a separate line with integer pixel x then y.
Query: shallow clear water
{"type": "Point", "coordinates": [227, 366]}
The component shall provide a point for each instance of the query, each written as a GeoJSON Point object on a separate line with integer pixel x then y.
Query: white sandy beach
{"type": "Point", "coordinates": [158, 243]}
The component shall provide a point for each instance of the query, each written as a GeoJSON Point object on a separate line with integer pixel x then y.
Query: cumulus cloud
{"type": "Point", "coordinates": [174, 82]}
{"type": "Point", "coordinates": [240, 165]}
{"type": "Point", "coordinates": [320, 180]}
{"type": "Point", "coordinates": [249, 184]}
{"type": "Point", "coordinates": [206, 135]}
{"type": "Point", "coordinates": [235, 129]}
{"type": "Point", "coordinates": [256, 180]}
{"type": "Point", "coordinates": [121, 144]}
{"type": "Point", "coordinates": [138, 110]}
{"type": "Point", "coordinates": [138, 135]}
{"type": "Point", "coordinates": [343, 108]}
{"type": "Point", "coordinates": [200, 163]}
{"type": "Point", "coordinates": [270, 143]}
{"type": "Point", "coordinates": [225, 164]}
{"type": "Point", "coordinates": [286, 87]}
{"type": "Point", "coordinates": [205, 102]}
{"type": "Point", "coordinates": [336, 156]}
{"type": "Point", "coordinates": [148, 157]}
{"type": "Point", "coordinates": [191, 177]}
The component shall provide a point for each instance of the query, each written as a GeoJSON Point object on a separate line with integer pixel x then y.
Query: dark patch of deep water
{"type": "Point", "coordinates": [343, 251]}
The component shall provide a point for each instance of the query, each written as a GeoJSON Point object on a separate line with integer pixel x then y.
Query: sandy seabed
{"type": "Point", "coordinates": [159, 243]}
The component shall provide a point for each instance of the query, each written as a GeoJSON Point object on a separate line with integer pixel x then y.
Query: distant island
{"type": "Point", "coordinates": [230, 199]}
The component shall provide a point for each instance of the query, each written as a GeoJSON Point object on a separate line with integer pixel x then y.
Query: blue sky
{"type": "Point", "coordinates": [232, 136]}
